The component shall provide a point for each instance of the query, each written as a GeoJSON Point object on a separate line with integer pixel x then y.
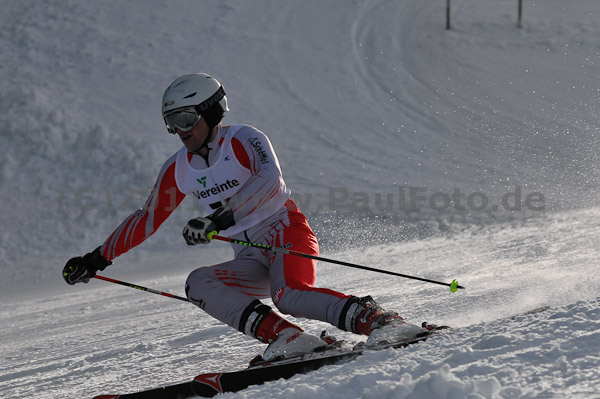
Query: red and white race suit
{"type": "Point", "coordinates": [242, 171]}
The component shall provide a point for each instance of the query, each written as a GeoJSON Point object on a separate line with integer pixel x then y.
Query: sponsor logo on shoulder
{"type": "Point", "coordinates": [257, 145]}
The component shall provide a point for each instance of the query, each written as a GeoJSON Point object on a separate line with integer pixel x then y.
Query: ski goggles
{"type": "Point", "coordinates": [183, 119]}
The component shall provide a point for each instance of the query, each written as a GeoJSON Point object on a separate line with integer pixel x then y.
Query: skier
{"type": "Point", "coordinates": [233, 172]}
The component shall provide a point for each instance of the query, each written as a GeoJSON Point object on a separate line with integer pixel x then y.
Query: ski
{"type": "Point", "coordinates": [261, 371]}
{"type": "Point", "coordinates": [177, 391]}
{"type": "Point", "coordinates": [210, 384]}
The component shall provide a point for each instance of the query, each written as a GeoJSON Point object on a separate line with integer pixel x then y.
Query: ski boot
{"type": "Point", "coordinates": [364, 316]}
{"type": "Point", "coordinates": [293, 342]}
{"type": "Point", "coordinates": [285, 339]}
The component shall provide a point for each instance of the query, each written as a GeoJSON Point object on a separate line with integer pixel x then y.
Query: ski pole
{"type": "Point", "coordinates": [139, 287]}
{"type": "Point", "coordinates": [453, 285]}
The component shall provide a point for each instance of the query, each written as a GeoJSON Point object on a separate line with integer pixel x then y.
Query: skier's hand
{"type": "Point", "coordinates": [201, 229]}
{"type": "Point", "coordinates": [81, 268]}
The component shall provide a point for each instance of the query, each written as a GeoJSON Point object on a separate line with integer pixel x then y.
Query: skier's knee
{"type": "Point", "coordinates": [197, 279]}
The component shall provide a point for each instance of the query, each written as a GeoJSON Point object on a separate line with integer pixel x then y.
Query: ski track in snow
{"type": "Point", "coordinates": [368, 96]}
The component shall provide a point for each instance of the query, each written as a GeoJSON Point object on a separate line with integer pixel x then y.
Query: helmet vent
{"type": "Point", "coordinates": [190, 95]}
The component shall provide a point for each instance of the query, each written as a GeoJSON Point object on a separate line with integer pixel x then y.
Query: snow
{"type": "Point", "coordinates": [366, 103]}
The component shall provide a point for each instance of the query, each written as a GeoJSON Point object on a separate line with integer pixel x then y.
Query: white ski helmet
{"type": "Point", "coordinates": [198, 90]}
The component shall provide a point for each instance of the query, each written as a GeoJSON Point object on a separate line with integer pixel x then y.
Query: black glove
{"type": "Point", "coordinates": [81, 268]}
{"type": "Point", "coordinates": [201, 229]}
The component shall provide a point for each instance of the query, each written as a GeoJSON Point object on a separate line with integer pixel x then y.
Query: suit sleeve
{"type": "Point", "coordinates": [141, 224]}
{"type": "Point", "coordinates": [253, 150]}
